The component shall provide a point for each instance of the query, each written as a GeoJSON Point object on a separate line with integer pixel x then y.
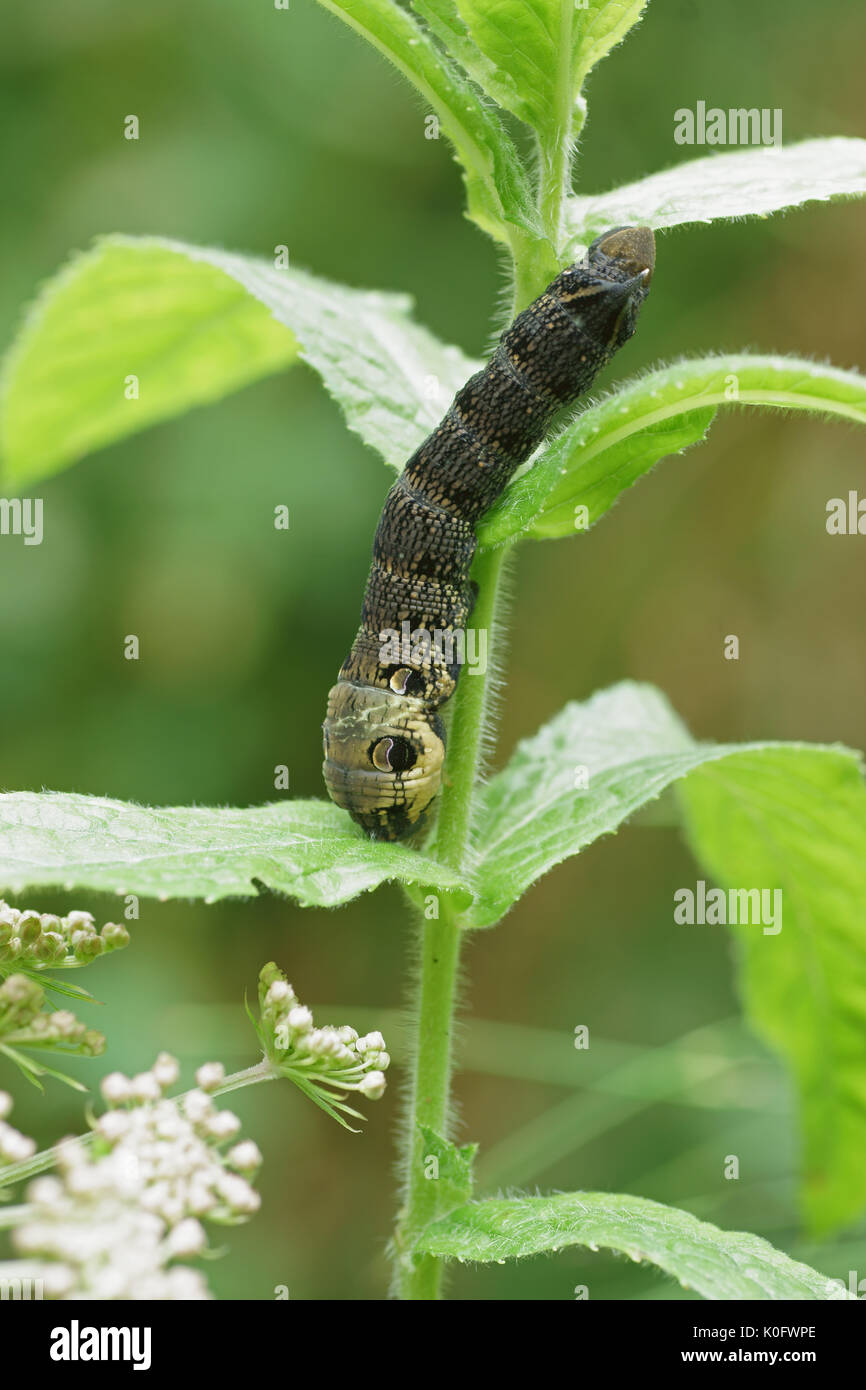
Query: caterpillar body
{"type": "Point", "coordinates": [384, 739]}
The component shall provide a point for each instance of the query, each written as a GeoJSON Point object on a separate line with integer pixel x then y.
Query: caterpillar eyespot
{"type": "Point", "coordinates": [384, 739]}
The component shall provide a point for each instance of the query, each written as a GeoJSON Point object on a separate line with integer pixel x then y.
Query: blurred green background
{"type": "Point", "coordinates": [261, 127]}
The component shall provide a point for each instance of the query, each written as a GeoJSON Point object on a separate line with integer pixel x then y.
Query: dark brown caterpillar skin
{"type": "Point", "coordinates": [384, 739]}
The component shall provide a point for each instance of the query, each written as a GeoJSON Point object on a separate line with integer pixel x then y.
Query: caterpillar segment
{"type": "Point", "coordinates": [384, 739]}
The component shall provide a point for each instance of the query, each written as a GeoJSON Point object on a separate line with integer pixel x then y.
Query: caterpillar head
{"type": "Point", "coordinates": [383, 758]}
{"type": "Point", "coordinates": [608, 288]}
{"type": "Point", "coordinates": [624, 252]}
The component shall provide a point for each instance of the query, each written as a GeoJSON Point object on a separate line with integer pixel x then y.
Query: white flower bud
{"type": "Point", "coordinates": [186, 1285]}
{"type": "Point", "coordinates": [145, 1086]}
{"type": "Point", "coordinates": [280, 992]}
{"type": "Point", "coordinates": [187, 1238]}
{"type": "Point", "coordinates": [46, 1192]}
{"type": "Point", "coordinates": [166, 1070]}
{"type": "Point", "coordinates": [336, 1047]}
{"type": "Point", "coordinates": [200, 1199]}
{"type": "Point", "coordinates": [113, 1125]}
{"type": "Point", "coordinates": [115, 1088]}
{"type": "Point", "coordinates": [83, 920]}
{"type": "Point", "coordinates": [84, 1178]}
{"type": "Point", "coordinates": [373, 1085]}
{"type": "Point", "coordinates": [211, 1075]}
{"type": "Point", "coordinates": [197, 1106]}
{"type": "Point", "coordinates": [237, 1193]}
{"type": "Point", "coordinates": [70, 1153]}
{"type": "Point", "coordinates": [172, 1210]}
{"type": "Point", "coordinates": [155, 1196]}
{"type": "Point", "coordinates": [300, 1019]}
{"type": "Point", "coordinates": [223, 1124]}
{"type": "Point", "coordinates": [245, 1156]}
{"type": "Point", "coordinates": [15, 1147]}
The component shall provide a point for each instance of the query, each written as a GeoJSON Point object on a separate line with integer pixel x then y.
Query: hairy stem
{"type": "Point", "coordinates": [429, 1103]}
{"type": "Point", "coordinates": [467, 724]}
{"type": "Point", "coordinates": [420, 1277]}
{"type": "Point", "coordinates": [555, 167]}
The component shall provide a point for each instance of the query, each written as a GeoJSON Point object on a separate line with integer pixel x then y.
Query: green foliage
{"type": "Point", "coordinates": [787, 816]}
{"type": "Point", "coordinates": [27, 1022]}
{"type": "Point", "coordinates": [325, 1063]}
{"type": "Point", "coordinates": [450, 1171]}
{"type": "Point", "coordinates": [538, 53]}
{"type": "Point", "coordinates": [716, 1264]}
{"type": "Point", "coordinates": [743, 183]}
{"type": "Point", "coordinates": [498, 193]}
{"type": "Point", "coordinates": [194, 324]}
{"type": "Point", "coordinates": [612, 444]}
{"type": "Point", "coordinates": [309, 849]}
{"type": "Point", "coordinates": [798, 822]}
{"type": "Point", "coordinates": [628, 745]}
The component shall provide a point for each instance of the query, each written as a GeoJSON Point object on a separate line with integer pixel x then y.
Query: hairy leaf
{"type": "Point", "coordinates": [761, 816]}
{"type": "Point", "coordinates": [453, 1182]}
{"type": "Point", "coordinates": [193, 324]}
{"type": "Point", "coordinates": [499, 198]}
{"type": "Point", "coordinates": [799, 825]}
{"type": "Point", "coordinates": [613, 443]}
{"type": "Point", "coordinates": [538, 53]}
{"type": "Point", "coordinates": [716, 1264]}
{"type": "Point", "coordinates": [308, 849]}
{"type": "Point", "coordinates": [744, 183]}
{"type": "Point", "coordinates": [590, 768]}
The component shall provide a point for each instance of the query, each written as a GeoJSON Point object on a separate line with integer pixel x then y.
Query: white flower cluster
{"type": "Point", "coordinates": [114, 1221]}
{"type": "Point", "coordinates": [14, 1146]}
{"type": "Point", "coordinates": [40, 938]}
{"type": "Point", "coordinates": [329, 1055]}
{"type": "Point", "coordinates": [24, 1024]}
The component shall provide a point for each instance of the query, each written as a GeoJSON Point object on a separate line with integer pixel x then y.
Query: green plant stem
{"type": "Point", "coordinates": [555, 162]}
{"type": "Point", "coordinates": [555, 181]}
{"type": "Point", "coordinates": [420, 1277]}
{"type": "Point", "coordinates": [467, 724]}
{"type": "Point", "coordinates": [527, 284]}
{"type": "Point", "coordinates": [429, 1105]}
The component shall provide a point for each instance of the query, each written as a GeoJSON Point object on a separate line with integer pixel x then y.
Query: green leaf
{"type": "Point", "coordinates": [446, 23]}
{"type": "Point", "coordinates": [307, 849]}
{"type": "Point", "coordinates": [453, 1182]}
{"type": "Point", "coordinates": [612, 444]}
{"type": "Point", "coordinates": [499, 198]}
{"type": "Point", "coordinates": [33, 1071]}
{"type": "Point", "coordinates": [326, 1102]}
{"type": "Point", "coordinates": [193, 324]}
{"type": "Point", "coordinates": [800, 825]}
{"type": "Point", "coordinates": [538, 53]}
{"type": "Point", "coordinates": [716, 1264]}
{"type": "Point", "coordinates": [746, 183]}
{"type": "Point", "coordinates": [761, 816]}
{"type": "Point", "coordinates": [628, 745]}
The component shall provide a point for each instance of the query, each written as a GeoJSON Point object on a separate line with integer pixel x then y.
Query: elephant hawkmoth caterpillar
{"type": "Point", "coordinates": [383, 736]}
